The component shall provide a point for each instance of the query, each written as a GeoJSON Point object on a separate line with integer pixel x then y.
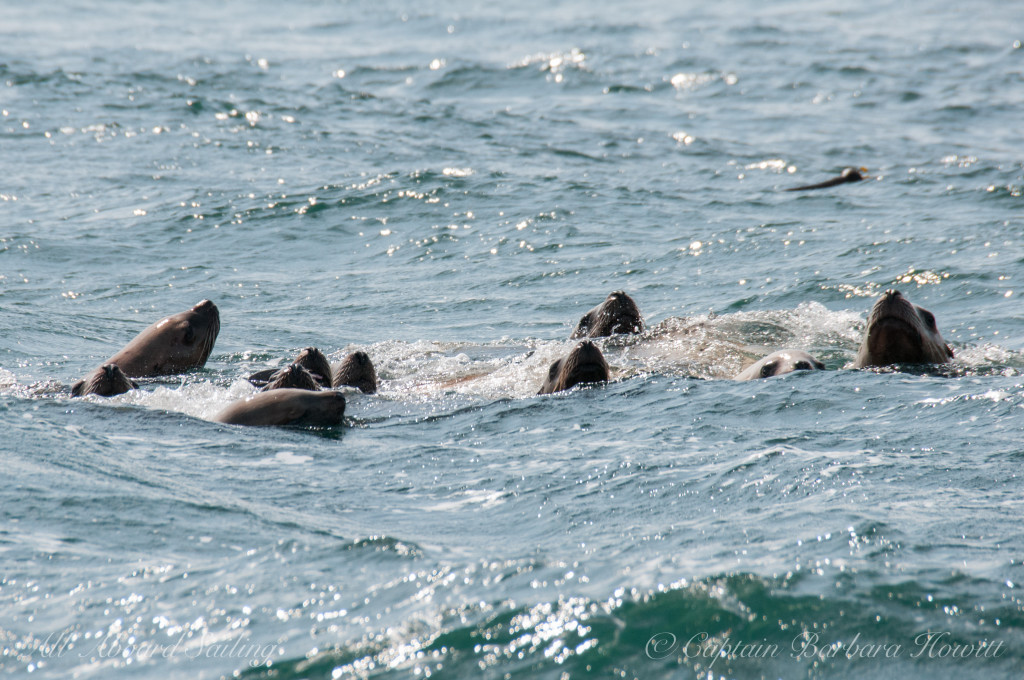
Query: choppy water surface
{"type": "Point", "coordinates": [449, 188]}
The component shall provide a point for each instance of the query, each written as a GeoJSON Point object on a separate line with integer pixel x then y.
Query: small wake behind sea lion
{"type": "Point", "coordinates": [848, 175]}
{"type": "Point", "coordinates": [900, 332]}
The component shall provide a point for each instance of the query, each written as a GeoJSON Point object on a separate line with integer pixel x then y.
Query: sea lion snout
{"type": "Point", "coordinates": [900, 332]}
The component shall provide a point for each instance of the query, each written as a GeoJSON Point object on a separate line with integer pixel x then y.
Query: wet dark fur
{"type": "Point", "coordinates": [849, 175]}
{"type": "Point", "coordinates": [356, 370]}
{"type": "Point", "coordinates": [312, 359]}
{"type": "Point", "coordinates": [617, 314]}
{"type": "Point", "coordinates": [106, 381]}
{"type": "Point", "coordinates": [294, 376]}
{"type": "Point", "coordinates": [177, 343]}
{"type": "Point", "coordinates": [286, 407]}
{"type": "Point", "coordinates": [900, 332]}
{"type": "Point", "coordinates": [584, 364]}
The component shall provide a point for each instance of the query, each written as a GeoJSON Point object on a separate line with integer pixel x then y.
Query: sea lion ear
{"type": "Point", "coordinates": [949, 351]}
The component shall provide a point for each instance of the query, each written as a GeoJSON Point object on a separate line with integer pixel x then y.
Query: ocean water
{"type": "Point", "coordinates": [449, 187]}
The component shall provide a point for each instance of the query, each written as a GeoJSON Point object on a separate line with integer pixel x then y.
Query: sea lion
{"type": "Point", "coordinates": [781, 362]}
{"type": "Point", "coordinates": [900, 332]}
{"type": "Point", "coordinates": [286, 407]}
{"type": "Point", "coordinates": [106, 381]}
{"type": "Point", "coordinates": [617, 314]}
{"type": "Point", "coordinates": [356, 370]}
{"type": "Point", "coordinates": [312, 359]}
{"type": "Point", "coordinates": [294, 376]}
{"type": "Point", "coordinates": [584, 364]}
{"type": "Point", "coordinates": [171, 345]}
{"type": "Point", "coordinates": [848, 175]}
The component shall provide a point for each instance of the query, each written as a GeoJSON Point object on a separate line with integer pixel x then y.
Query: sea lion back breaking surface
{"type": "Point", "coordinates": [584, 364]}
{"type": "Point", "coordinates": [900, 332]}
{"type": "Point", "coordinates": [106, 381]}
{"type": "Point", "coordinates": [848, 175]}
{"type": "Point", "coordinates": [286, 406]}
{"type": "Point", "coordinates": [618, 313]}
{"type": "Point", "coordinates": [781, 362]}
{"type": "Point", "coordinates": [356, 370]}
{"type": "Point", "coordinates": [174, 344]}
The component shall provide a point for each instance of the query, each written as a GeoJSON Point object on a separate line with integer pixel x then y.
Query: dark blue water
{"type": "Point", "coordinates": [449, 188]}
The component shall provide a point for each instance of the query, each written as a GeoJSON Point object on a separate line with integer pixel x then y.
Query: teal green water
{"type": "Point", "coordinates": [449, 188]}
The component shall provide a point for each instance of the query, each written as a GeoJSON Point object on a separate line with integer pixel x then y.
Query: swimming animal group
{"type": "Point", "coordinates": [305, 391]}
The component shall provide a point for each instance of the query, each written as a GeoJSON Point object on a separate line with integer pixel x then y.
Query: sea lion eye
{"type": "Point", "coordinates": [768, 370]}
{"type": "Point", "coordinates": [802, 365]}
{"type": "Point", "coordinates": [929, 318]}
{"type": "Point", "coordinates": [190, 334]}
{"type": "Point", "coordinates": [553, 371]}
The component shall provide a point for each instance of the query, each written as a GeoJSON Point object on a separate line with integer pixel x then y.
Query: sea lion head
{"type": "Point", "coordinates": [617, 314]}
{"type": "Point", "coordinates": [584, 364]}
{"type": "Point", "coordinates": [900, 332]}
{"type": "Point", "coordinates": [853, 174]}
{"type": "Point", "coordinates": [295, 376]}
{"type": "Point", "coordinates": [356, 370]}
{"type": "Point", "coordinates": [203, 326]}
{"type": "Point", "coordinates": [311, 359]}
{"type": "Point", "coordinates": [176, 343]}
{"type": "Point", "coordinates": [314, 361]}
{"type": "Point", "coordinates": [106, 381]}
{"type": "Point", "coordinates": [781, 362]}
